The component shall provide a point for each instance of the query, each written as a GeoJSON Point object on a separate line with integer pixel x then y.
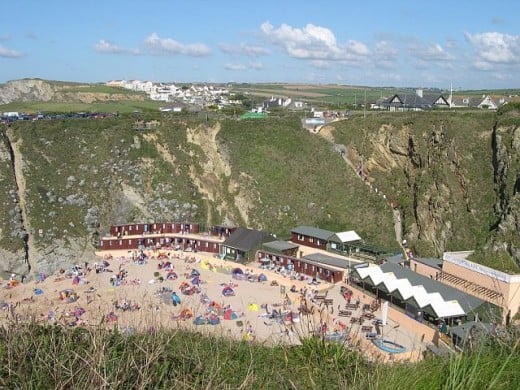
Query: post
{"type": "Point", "coordinates": [365, 105]}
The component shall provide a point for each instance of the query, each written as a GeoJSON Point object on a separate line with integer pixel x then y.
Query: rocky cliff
{"type": "Point", "coordinates": [66, 181]}
{"type": "Point", "coordinates": [453, 176]}
{"type": "Point", "coordinates": [36, 90]}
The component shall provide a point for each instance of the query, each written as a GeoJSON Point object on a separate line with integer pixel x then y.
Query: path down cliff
{"type": "Point", "coordinates": [325, 132]}
{"type": "Point", "coordinates": [17, 165]}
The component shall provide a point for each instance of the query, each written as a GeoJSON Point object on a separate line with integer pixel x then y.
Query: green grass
{"type": "Point", "coordinates": [121, 106]}
{"type": "Point", "coordinates": [99, 88]}
{"type": "Point", "coordinates": [301, 180]}
{"type": "Point", "coordinates": [46, 357]}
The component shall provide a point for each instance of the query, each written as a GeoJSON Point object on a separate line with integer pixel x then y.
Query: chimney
{"type": "Point", "coordinates": [419, 92]}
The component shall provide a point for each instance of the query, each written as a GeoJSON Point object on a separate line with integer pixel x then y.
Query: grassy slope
{"type": "Point", "coordinates": [52, 357]}
{"type": "Point", "coordinates": [302, 180]}
{"type": "Point", "coordinates": [76, 164]}
{"type": "Point", "coordinates": [297, 176]}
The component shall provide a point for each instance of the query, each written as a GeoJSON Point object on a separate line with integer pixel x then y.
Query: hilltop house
{"type": "Point", "coordinates": [414, 102]}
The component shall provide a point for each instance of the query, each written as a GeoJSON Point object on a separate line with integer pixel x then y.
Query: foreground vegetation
{"type": "Point", "coordinates": [45, 357]}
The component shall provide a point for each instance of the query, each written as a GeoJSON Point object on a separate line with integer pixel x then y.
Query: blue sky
{"type": "Point", "coordinates": [471, 44]}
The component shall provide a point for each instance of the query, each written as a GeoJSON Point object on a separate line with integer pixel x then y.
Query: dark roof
{"type": "Point", "coordinates": [312, 231]}
{"type": "Point", "coordinates": [246, 239]}
{"type": "Point", "coordinates": [429, 261]}
{"type": "Point", "coordinates": [463, 331]}
{"type": "Point", "coordinates": [413, 100]}
{"type": "Point", "coordinates": [466, 301]}
{"type": "Point", "coordinates": [396, 259]}
{"type": "Point", "coordinates": [322, 259]}
{"type": "Point", "coordinates": [280, 245]}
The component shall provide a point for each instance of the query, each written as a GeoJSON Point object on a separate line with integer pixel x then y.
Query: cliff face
{"type": "Point", "coordinates": [504, 241]}
{"type": "Point", "coordinates": [28, 90]}
{"type": "Point", "coordinates": [36, 90]}
{"type": "Point", "coordinates": [454, 177]}
{"type": "Point", "coordinates": [66, 182]}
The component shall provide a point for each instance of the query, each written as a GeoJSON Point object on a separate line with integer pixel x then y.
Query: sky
{"type": "Point", "coordinates": [459, 43]}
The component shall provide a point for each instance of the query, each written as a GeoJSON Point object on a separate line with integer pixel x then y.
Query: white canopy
{"type": "Point", "coordinates": [423, 298]}
{"type": "Point", "coordinates": [348, 236]}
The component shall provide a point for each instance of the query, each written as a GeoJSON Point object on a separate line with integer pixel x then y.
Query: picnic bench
{"type": "Point", "coordinates": [366, 328]}
{"type": "Point", "coordinates": [344, 313]}
{"type": "Point", "coordinates": [351, 306]}
{"type": "Point", "coordinates": [353, 320]}
{"type": "Point", "coordinates": [369, 316]}
{"type": "Point", "coordinates": [328, 301]}
{"type": "Point", "coordinates": [321, 296]}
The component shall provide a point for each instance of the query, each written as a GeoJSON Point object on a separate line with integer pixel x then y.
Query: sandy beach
{"type": "Point", "coordinates": [125, 293]}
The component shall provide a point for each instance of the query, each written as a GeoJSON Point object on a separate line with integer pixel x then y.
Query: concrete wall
{"type": "Point", "coordinates": [424, 269]}
{"type": "Point", "coordinates": [510, 290]}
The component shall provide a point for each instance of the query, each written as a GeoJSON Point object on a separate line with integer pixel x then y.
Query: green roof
{"type": "Point", "coordinates": [322, 259]}
{"type": "Point", "coordinates": [280, 245]}
{"type": "Point", "coordinates": [311, 231]}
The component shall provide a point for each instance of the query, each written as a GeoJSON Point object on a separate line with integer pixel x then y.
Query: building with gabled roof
{"type": "Point", "coordinates": [414, 102]}
{"type": "Point", "coordinates": [311, 236]}
{"type": "Point", "coordinates": [422, 298]}
{"type": "Point", "coordinates": [242, 244]}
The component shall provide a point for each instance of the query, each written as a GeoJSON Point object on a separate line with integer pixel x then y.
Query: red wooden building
{"type": "Point", "coordinates": [154, 228]}
{"type": "Point", "coordinates": [311, 236]}
{"type": "Point", "coordinates": [323, 267]}
{"type": "Point", "coordinates": [169, 241]}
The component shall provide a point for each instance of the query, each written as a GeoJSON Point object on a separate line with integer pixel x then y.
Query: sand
{"type": "Point", "coordinates": [96, 296]}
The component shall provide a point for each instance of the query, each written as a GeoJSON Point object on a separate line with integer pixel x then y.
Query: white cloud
{"type": "Point", "coordinates": [320, 64]}
{"type": "Point", "coordinates": [235, 67]}
{"type": "Point", "coordinates": [250, 50]}
{"type": "Point", "coordinates": [482, 65]}
{"type": "Point", "coordinates": [313, 42]}
{"type": "Point", "coordinates": [171, 46]}
{"type": "Point", "coordinates": [105, 46]}
{"type": "Point", "coordinates": [8, 53]}
{"type": "Point", "coordinates": [257, 65]}
{"type": "Point", "coordinates": [430, 52]}
{"type": "Point", "coordinates": [385, 50]}
{"type": "Point", "coordinates": [496, 47]}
